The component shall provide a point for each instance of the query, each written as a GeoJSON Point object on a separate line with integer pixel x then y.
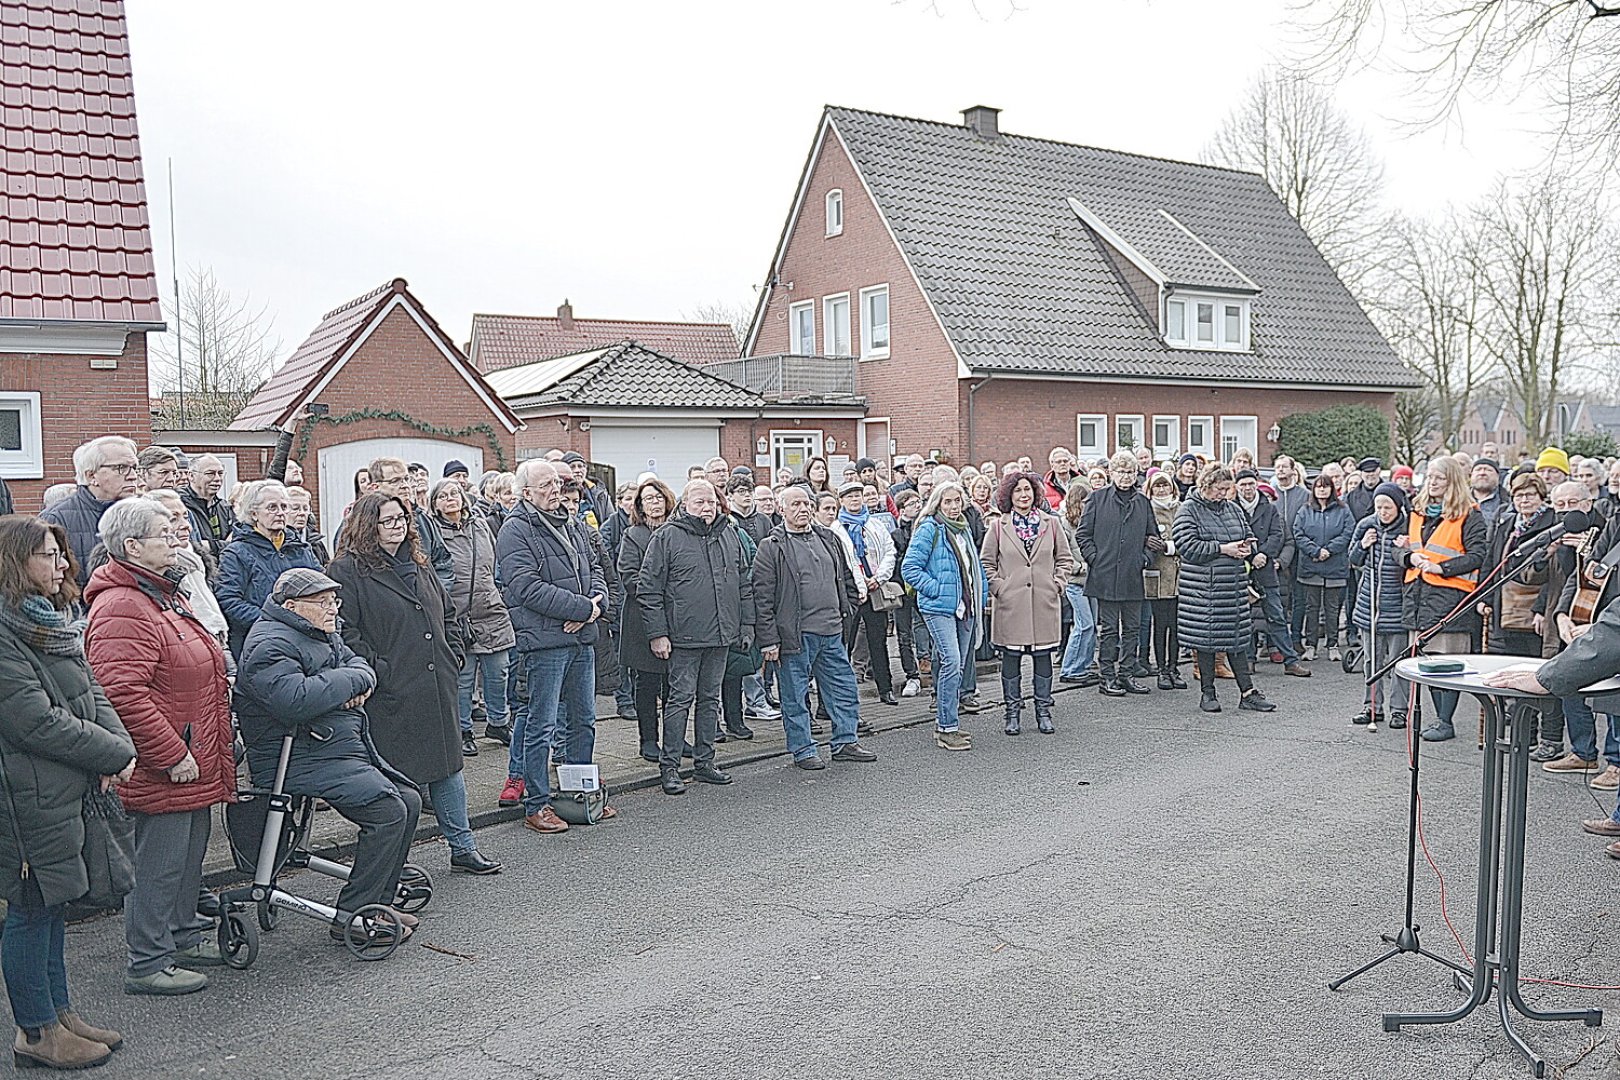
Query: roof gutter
{"type": "Point", "coordinates": [973, 390]}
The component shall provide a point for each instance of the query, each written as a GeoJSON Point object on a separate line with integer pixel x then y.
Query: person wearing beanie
{"type": "Point", "coordinates": [1553, 467]}
{"type": "Point", "coordinates": [1485, 481]}
{"type": "Point", "coordinates": [457, 470]}
{"type": "Point", "coordinates": [1376, 607]}
{"type": "Point", "coordinates": [1186, 477]}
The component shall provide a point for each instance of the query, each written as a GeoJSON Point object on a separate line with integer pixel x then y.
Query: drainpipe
{"type": "Point", "coordinates": [972, 392]}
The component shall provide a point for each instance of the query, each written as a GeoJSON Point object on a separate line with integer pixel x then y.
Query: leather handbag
{"type": "Point", "coordinates": [887, 596]}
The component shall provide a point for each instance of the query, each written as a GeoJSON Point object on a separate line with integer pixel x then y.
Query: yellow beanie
{"type": "Point", "coordinates": [1554, 457]}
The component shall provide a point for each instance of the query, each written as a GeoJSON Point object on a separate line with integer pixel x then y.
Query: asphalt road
{"type": "Point", "coordinates": [1154, 892]}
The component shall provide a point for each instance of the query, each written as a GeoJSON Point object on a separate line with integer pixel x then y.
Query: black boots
{"type": "Point", "coordinates": [1012, 696]}
{"type": "Point", "coordinates": [1043, 704]}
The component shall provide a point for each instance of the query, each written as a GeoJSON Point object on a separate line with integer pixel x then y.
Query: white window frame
{"type": "Point", "coordinates": [829, 325]}
{"type": "Point", "coordinates": [1137, 423]}
{"type": "Point", "coordinates": [27, 463]}
{"type": "Point", "coordinates": [1094, 450]}
{"type": "Point", "coordinates": [1252, 445]}
{"type": "Point", "coordinates": [797, 438]}
{"type": "Point", "coordinates": [794, 311]}
{"type": "Point", "coordinates": [870, 351]}
{"type": "Point", "coordinates": [1207, 446]}
{"type": "Point", "coordinates": [1166, 451]}
{"type": "Point", "coordinates": [834, 209]}
{"type": "Point", "coordinates": [1189, 322]}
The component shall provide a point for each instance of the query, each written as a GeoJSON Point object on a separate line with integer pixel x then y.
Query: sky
{"type": "Point", "coordinates": [638, 157]}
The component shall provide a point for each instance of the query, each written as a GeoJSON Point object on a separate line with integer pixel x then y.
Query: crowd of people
{"type": "Point", "coordinates": [162, 637]}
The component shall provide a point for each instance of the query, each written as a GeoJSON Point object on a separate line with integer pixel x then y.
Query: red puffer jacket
{"type": "Point", "coordinates": [165, 675]}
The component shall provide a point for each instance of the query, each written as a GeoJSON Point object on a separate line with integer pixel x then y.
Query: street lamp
{"type": "Point", "coordinates": [1274, 432]}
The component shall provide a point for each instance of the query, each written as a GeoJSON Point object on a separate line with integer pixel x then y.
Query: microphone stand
{"type": "Point", "coordinates": [1406, 940]}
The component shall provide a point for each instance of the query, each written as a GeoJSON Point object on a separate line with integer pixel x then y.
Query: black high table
{"type": "Point", "coordinates": [1499, 902]}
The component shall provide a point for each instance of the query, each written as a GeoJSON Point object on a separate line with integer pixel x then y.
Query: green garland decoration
{"type": "Point", "coordinates": [491, 436]}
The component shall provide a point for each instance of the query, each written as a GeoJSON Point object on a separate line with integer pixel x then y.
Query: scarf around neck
{"type": "Point", "coordinates": [855, 525]}
{"type": "Point", "coordinates": [43, 628]}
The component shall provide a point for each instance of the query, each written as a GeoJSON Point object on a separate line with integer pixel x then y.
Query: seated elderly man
{"type": "Point", "coordinates": [297, 675]}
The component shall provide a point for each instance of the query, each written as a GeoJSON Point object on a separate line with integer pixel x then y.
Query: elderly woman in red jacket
{"type": "Point", "coordinates": [165, 675]}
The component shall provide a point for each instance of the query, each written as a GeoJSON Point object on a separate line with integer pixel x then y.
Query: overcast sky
{"type": "Point", "coordinates": [638, 156]}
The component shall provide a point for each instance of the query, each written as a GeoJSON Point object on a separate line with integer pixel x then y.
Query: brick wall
{"type": "Point", "coordinates": [400, 367]}
{"type": "Point", "coordinates": [917, 384]}
{"type": "Point", "coordinates": [78, 404]}
{"type": "Point", "coordinates": [1015, 417]}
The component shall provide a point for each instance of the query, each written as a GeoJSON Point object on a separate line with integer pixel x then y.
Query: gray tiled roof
{"type": "Point", "coordinates": [621, 376]}
{"type": "Point", "coordinates": [1022, 285]}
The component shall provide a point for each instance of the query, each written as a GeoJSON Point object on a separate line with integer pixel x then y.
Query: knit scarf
{"type": "Point", "coordinates": [957, 529]}
{"type": "Point", "coordinates": [855, 525]}
{"type": "Point", "coordinates": [41, 627]}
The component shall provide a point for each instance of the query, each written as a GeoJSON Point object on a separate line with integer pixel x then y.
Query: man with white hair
{"type": "Point", "coordinates": [106, 471]}
{"type": "Point", "coordinates": [211, 516]}
{"type": "Point", "coordinates": [697, 601]}
{"type": "Point", "coordinates": [556, 594]}
{"type": "Point", "coordinates": [1059, 477]}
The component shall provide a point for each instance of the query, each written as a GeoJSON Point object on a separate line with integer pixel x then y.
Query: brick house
{"type": "Point", "coordinates": [1002, 294]}
{"type": "Point", "coordinates": [501, 341]}
{"type": "Point", "coordinates": [78, 294]}
{"type": "Point", "coordinates": [1496, 420]}
{"type": "Point", "coordinates": [635, 410]}
{"type": "Point", "coordinates": [392, 383]}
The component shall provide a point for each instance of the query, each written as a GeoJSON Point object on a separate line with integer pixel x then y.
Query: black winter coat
{"type": "Point", "coordinates": [1380, 583]}
{"type": "Point", "coordinates": [294, 677]}
{"type": "Point", "coordinates": [1213, 615]}
{"type": "Point", "coordinates": [1266, 526]}
{"type": "Point", "coordinates": [51, 754]}
{"type": "Point", "coordinates": [547, 582]}
{"type": "Point", "coordinates": [1113, 536]}
{"type": "Point", "coordinates": [776, 590]}
{"type": "Point", "coordinates": [80, 514]}
{"type": "Point", "coordinates": [694, 587]}
{"type": "Point", "coordinates": [634, 651]}
{"type": "Point", "coordinates": [409, 637]}
{"type": "Point", "coordinates": [202, 512]}
{"type": "Point", "coordinates": [1422, 604]}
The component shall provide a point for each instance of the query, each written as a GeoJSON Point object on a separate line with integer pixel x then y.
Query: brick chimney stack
{"type": "Point", "coordinates": [565, 315]}
{"type": "Point", "coordinates": [983, 121]}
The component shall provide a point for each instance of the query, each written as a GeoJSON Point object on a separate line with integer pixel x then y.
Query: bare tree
{"type": "Point", "coordinates": [1427, 300]}
{"type": "Point", "coordinates": [1416, 419]}
{"type": "Point", "coordinates": [739, 316]}
{"type": "Point", "coordinates": [1544, 255]}
{"type": "Point", "coordinates": [1319, 163]}
{"type": "Point", "coordinates": [220, 352]}
{"type": "Point", "coordinates": [1556, 52]}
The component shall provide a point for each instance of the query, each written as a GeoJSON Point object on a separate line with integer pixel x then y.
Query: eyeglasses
{"type": "Point", "coordinates": [391, 521]}
{"type": "Point", "coordinates": [122, 470]}
{"type": "Point", "coordinates": [56, 556]}
{"type": "Point", "coordinates": [169, 537]}
{"type": "Point", "coordinates": [331, 603]}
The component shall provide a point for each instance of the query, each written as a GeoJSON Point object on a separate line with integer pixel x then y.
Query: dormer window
{"type": "Point", "coordinates": [1206, 322]}
{"type": "Point", "coordinates": [835, 212]}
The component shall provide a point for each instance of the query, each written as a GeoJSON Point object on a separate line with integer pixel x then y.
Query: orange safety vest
{"type": "Point", "coordinates": [1446, 542]}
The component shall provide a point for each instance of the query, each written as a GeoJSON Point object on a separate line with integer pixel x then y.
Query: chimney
{"type": "Point", "coordinates": [981, 120]}
{"type": "Point", "coordinates": [565, 315]}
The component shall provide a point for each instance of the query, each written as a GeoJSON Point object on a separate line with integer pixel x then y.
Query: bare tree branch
{"type": "Point", "coordinates": [219, 353]}
{"type": "Point", "coordinates": [739, 316]}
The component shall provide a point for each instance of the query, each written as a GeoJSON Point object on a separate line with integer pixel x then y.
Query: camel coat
{"type": "Point", "coordinates": [1026, 588]}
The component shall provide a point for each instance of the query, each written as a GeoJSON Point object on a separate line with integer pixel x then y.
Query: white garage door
{"type": "Point", "coordinates": [338, 464]}
{"type": "Point", "coordinates": [667, 451]}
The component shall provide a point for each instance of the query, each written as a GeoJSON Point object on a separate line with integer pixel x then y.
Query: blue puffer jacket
{"type": "Point", "coordinates": [248, 568]}
{"type": "Point", "coordinates": [1316, 529]}
{"type": "Point", "coordinates": [80, 514]}
{"type": "Point", "coordinates": [546, 584]}
{"type": "Point", "coordinates": [931, 569]}
{"type": "Point", "coordinates": [1389, 578]}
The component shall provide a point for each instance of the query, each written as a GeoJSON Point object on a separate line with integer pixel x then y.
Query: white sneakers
{"type": "Point", "coordinates": [912, 688]}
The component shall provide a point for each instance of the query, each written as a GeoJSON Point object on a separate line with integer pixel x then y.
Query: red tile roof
{"type": "Point", "coordinates": [289, 387]}
{"type": "Point", "coordinates": [502, 341]}
{"type": "Point", "coordinates": [74, 240]}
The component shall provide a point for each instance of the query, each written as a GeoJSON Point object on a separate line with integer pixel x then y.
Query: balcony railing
{"type": "Point", "coordinates": [786, 377]}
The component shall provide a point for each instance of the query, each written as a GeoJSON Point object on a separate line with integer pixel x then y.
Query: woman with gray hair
{"type": "Point", "coordinates": [165, 675]}
{"type": "Point", "coordinates": [260, 551]}
{"type": "Point", "coordinates": [197, 566]}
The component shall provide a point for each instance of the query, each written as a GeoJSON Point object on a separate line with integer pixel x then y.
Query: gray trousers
{"type": "Point", "coordinates": [160, 913]}
{"type": "Point", "coordinates": [695, 678]}
{"type": "Point", "coordinates": [387, 827]}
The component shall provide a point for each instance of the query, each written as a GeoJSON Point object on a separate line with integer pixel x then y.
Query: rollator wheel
{"type": "Point", "coordinates": [373, 933]}
{"type": "Point", "coordinates": [1352, 660]}
{"type": "Point", "coordinates": [238, 940]}
{"type": "Point", "coordinates": [415, 889]}
{"type": "Point", "coordinates": [269, 916]}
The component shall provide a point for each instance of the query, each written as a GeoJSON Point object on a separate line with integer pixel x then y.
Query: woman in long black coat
{"type": "Point", "coordinates": [1211, 533]}
{"type": "Point", "coordinates": [653, 505]}
{"type": "Point", "coordinates": [397, 618]}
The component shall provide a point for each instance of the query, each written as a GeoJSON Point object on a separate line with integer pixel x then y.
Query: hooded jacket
{"type": "Point", "coordinates": [694, 587]}
{"type": "Point", "coordinates": [777, 606]}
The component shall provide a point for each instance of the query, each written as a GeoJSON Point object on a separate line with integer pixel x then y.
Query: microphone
{"type": "Point", "coordinates": [1574, 521]}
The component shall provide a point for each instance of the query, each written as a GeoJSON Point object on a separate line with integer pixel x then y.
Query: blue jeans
{"type": "Point", "coordinates": [562, 682]}
{"type": "Point", "coordinates": [1582, 728]}
{"type": "Point", "coordinates": [493, 666]}
{"type": "Point", "coordinates": [449, 797]}
{"type": "Point", "coordinates": [1271, 606]}
{"type": "Point", "coordinates": [1082, 651]}
{"type": "Point", "coordinates": [953, 659]}
{"type": "Point", "coordinates": [31, 954]}
{"type": "Point", "coordinates": [821, 656]}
